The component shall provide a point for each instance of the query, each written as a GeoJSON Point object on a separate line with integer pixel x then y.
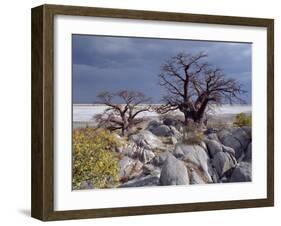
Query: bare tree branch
{"type": "Point", "coordinates": [192, 85]}
{"type": "Point", "coordinates": [122, 110]}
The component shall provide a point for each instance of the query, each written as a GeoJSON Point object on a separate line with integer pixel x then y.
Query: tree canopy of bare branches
{"type": "Point", "coordinates": [192, 84]}
{"type": "Point", "coordinates": [122, 110]}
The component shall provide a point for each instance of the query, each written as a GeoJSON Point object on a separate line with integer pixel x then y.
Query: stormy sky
{"type": "Point", "coordinates": [103, 63]}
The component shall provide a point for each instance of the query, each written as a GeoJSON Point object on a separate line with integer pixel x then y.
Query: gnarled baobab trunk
{"type": "Point", "coordinates": [192, 85]}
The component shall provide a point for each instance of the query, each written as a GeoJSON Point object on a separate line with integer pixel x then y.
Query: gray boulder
{"type": "Point", "coordinates": [214, 147]}
{"type": "Point", "coordinates": [174, 140]}
{"type": "Point", "coordinates": [173, 121]}
{"type": "Point", "coordinates": [175, 133]}
{"type": "Point", "coordinates": [211, 130]}
{"type": "Point", "coordinates": [223, 133]}
{"type": "Point", "coordinates": [248, 130]}
{"type": "Point", "coordinates": [153, 124]}
{"type": "Point", "coordinates": [173, 172]}
{"type": "Point", "coordinates": [213, 136]}
{"type": "Point", "coordinates": [126, 165]}
{"type": "Point", "coordinates": [178, 152]}
{"type": "Point", "coordinates": [146, 181]}
{"type": "Point", "coordinates": [196, 178]}
{"type": "Point", "coordinates": [204, 146]}
{"type": "Point", "coordinates": [146, 140]}
{"type": "Point", "coordinates": [214, 174]}
{"type": "Point", "coordinates": [235, 138]}
{"type": "Point", "coordinates": [194, 154]}
{"type": "Point", "coordinates": [129, 167]}
{"type": "Point", "coordinates": [229, 140]}
{"type": "Point", "coordinates": [224, 180]}
{"type": "Point", "coordinates": [156, 172]}
{"type": "Point", "coordinates": [228, 150]}
{"type": "Point", "coordinates": [161, 158]}
{"type": "Point", "coordinates": [137, 169]}
{"type": "Point", "coordinates": [168, 121]}
{"type": "Point", "coordinates": [148, 168]}
{"type": "Point", "coordinates": [242, 173]}
{"type": "Point", "coordinates": [145, 155]}
{"type": "Point", "coordinates": [242, 136]}
{"type": "Point", "coordinates": [130, 149]}
{"type": "Point", "coordinates": [223, 162]}
{"type": "Point", "coordinates": [162, 130]}
{"type": "Point", "coordinates": [248, 154]}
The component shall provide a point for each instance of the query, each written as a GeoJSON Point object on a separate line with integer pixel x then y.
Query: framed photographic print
{"type": "Point", "coordinates": [141, 112]}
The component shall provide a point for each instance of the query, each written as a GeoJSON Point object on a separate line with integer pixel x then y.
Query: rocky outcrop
{"type": "Point", "coordinates": [161, 158]}
{"type": "Point", "coordinates": [162, 130]}
{"type": "Point", "coordinates": [150, 169]}
{"type": "Point", "coordinates": [248, 130]}
{"type": "Point", "coordinates": [145, 155]}
{"type": "Point", "coordinates": [169, 122]}
{"type": "Point", "coordinates": [136, 152]}
{"type": "Point", "coordinates": [228, 140]}
{"type": "Point", "coordinates": [157, 156]}
{"type": "Point", "coordinates": [146, 140]}
{"type": "Point", "coordinates": [213, 173]}
{"type": "Point", "coordinates": [241, 136]}
{"type": "Point", "coordinates": [196, 178]}
{"type": "Point", "coordinates": [194, 154]}
{"type": "Point", "coordinates": [130, 168]}
{"type": "Point", "coordinates": [150, 180]}
{"type": "Point", "coordinates": [248, 154]}
{"type": "Point", "coordinates": [173, 122]}
{"type": "Point", "coordinates": [130, 150]}
{"type": "Point", "coordinates": [153, 124]}
{"type": "Point", "coordinates": [223, 162]}
{"type": "Point", "coordinates": [235, 138]}
{"type": "Point", "coordinates": [173, 172]}
{"type": "Point", "coordinates": [229, 150]}
{"type": "Point", "coordinates": [213, 147]}
{"type": "Point", "coordinates": [213, 136]}
{"type": "Point", "coordinates": [242, 173]}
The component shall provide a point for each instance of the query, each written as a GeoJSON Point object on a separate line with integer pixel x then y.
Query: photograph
{"type": "Point", "coordinates": [159, 112]}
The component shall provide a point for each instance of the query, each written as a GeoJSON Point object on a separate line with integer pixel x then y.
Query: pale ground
{"type": "Point", "coordinates": [83, 115]}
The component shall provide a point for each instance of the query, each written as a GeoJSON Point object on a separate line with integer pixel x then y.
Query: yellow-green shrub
{"type": "Point", "coordinates": [242, 120]}
{"type": "Point", "coordinates": [193, 138]}
{"type": "Point", "coordinates": [94, 158]}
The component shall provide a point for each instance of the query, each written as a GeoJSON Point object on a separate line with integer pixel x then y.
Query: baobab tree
{"type": "Point", "coordinates": [192, 85]}
{"type": "Point", "coordinates": [122, 110]}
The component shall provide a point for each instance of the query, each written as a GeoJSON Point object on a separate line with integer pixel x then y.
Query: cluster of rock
{"type": "Point", "coordinates": [157, 156]}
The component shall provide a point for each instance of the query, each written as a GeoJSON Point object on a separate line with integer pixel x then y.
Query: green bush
{"type": "Point", "coordinates": [94, 158]}
{"type": "Point", "coordinates": [242, 120]}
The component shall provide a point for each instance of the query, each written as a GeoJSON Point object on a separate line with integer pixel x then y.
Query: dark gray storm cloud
{"type": "Point", "coordinates": [102, 63]}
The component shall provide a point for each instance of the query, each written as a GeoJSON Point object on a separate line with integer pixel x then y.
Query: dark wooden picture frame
{"type": "Point", "coordinates": [42, 203]}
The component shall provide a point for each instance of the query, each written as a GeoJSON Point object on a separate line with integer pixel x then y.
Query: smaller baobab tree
{"type": "Point", "coordinates": [193, 85]}
{"type": "Point", "coordinates": [122, 110]}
